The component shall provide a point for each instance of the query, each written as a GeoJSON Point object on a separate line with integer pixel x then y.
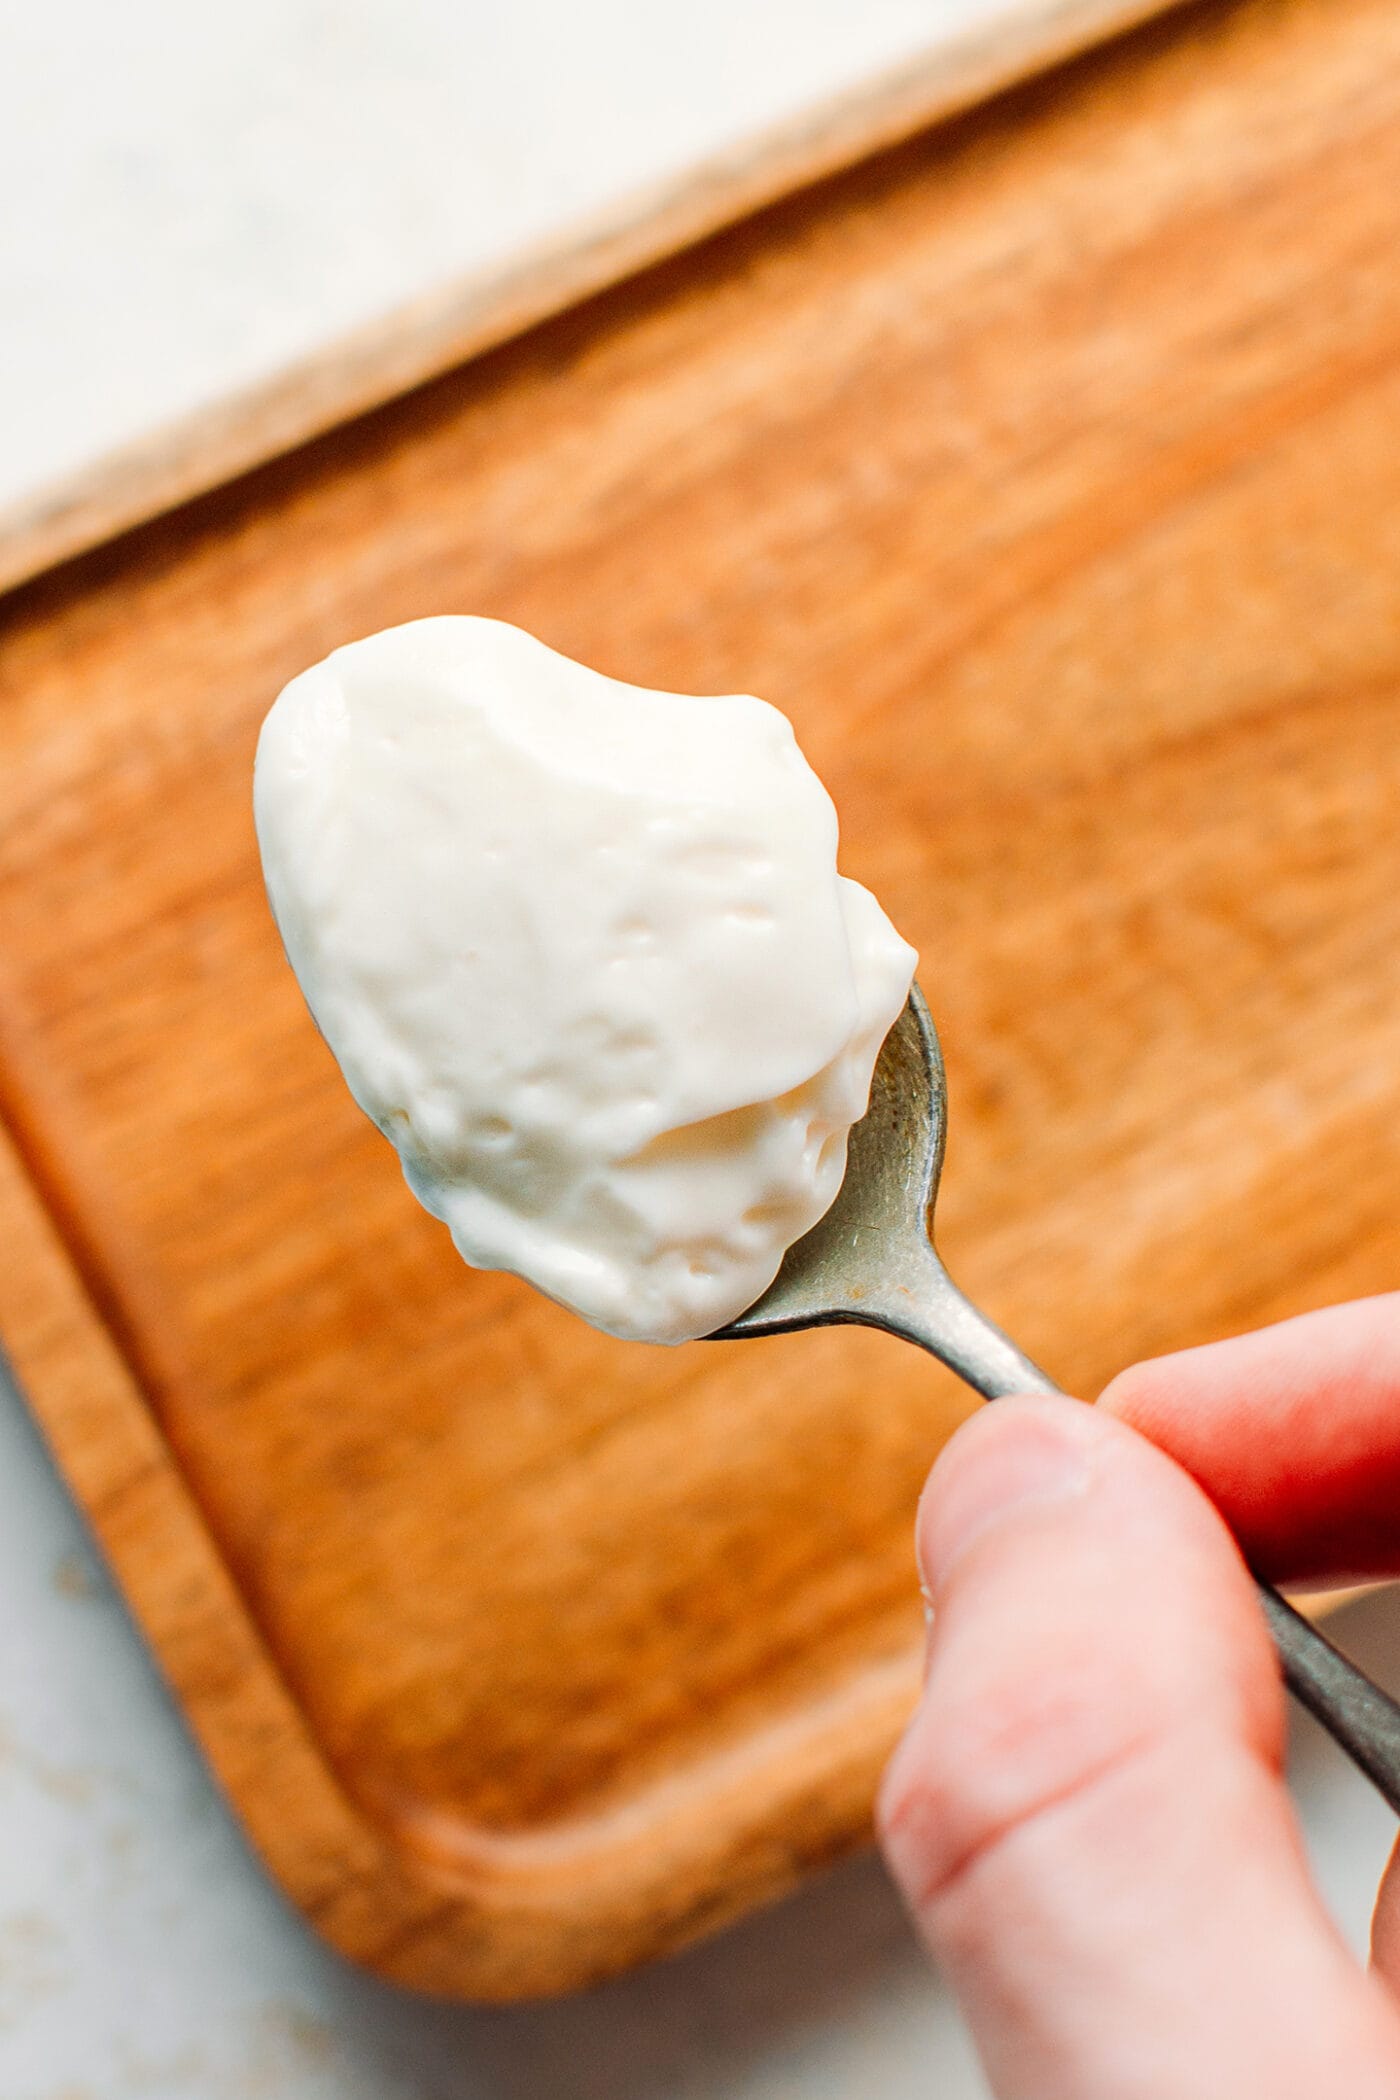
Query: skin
{"type": "Point", "coordinates": [1087, 1816]}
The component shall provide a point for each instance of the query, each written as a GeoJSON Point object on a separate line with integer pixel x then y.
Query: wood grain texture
{"type": "Point", "coordinates": [444, 327]}
{"type": "Point", "coordinates": [1047, 471]}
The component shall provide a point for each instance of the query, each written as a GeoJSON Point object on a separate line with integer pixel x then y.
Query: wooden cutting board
{"type": "Point", "coordinates": [1046, 468]}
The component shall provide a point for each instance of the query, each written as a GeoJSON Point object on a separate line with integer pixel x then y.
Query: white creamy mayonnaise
{"type": "Point", "coordinates": [583, 954]}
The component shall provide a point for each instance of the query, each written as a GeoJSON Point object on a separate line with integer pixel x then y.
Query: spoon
{"type": "Point", "coordinates": [870, 1262]}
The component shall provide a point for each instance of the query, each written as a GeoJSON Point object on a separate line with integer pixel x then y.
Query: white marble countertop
{"type": "Point", "coordinates": [194, 195]}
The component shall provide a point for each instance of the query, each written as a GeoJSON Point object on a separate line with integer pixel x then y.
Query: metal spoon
{"type": "Point", "coordinates": [871, 1262]}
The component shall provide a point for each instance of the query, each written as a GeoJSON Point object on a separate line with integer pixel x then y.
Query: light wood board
{"type": "Point", "coordinates": [1046, 469]}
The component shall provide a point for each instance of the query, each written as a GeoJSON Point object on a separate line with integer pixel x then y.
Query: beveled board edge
{"type": "Point", "coordinates": [513, 1920]}
{"type": "Point", "coordinates": [445, 328]}
{"type": "Point", "coordinates": [95, 1419]}
{"type": "Point", "coordinates": [510, 1921]}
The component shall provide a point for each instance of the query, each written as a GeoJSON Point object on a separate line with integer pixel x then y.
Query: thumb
{"type": "Point", "coordinates": [1087, 1815]}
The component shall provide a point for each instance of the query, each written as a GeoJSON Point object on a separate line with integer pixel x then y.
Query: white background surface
{"type": "Point", "coordinates": [193, 192]}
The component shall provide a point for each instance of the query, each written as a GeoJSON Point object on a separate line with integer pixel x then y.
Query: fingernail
{"type": "Point", "coordinates": [927, 1602]}
{"type": "Point", "coordinates": [1015, 1463]}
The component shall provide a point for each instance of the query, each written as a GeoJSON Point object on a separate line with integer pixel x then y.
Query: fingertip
{"type": "Point", "coordinates": [1129, 1391]}
{"type": "Point", "coordinates": [1085, 1596]}
{"type": "Point", "coordinates": [1150, 1397]}
{"type": "Point", "coordinates": [1087, 1816]}
{"type": "Point", "coordinates": [1293, 1432]}
{"type": "Point", "coordinates": [1024, 1452]}
{"type": "Point", "coordinates": [1032, 1460]}
{"type": "Point", "coordinates": [1385, 1925]}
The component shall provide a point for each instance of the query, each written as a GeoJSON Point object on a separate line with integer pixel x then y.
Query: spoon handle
{"type": "Point", "coordinates": [1362, 1719]}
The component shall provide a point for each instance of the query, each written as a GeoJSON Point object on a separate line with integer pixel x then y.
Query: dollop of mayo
{"type": "Point", "coordinates": [583, 955]}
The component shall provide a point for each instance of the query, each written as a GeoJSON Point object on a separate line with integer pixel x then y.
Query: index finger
{"type": "Point", "coordinates": [1293, 1432]}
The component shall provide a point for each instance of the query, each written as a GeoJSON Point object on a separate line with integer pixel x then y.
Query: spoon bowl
{"type": "Point", "coordinates": [871, 1261]}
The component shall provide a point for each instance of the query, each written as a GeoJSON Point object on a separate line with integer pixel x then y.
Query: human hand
{"type": "Point", "coordinates": [1087, 1816]}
